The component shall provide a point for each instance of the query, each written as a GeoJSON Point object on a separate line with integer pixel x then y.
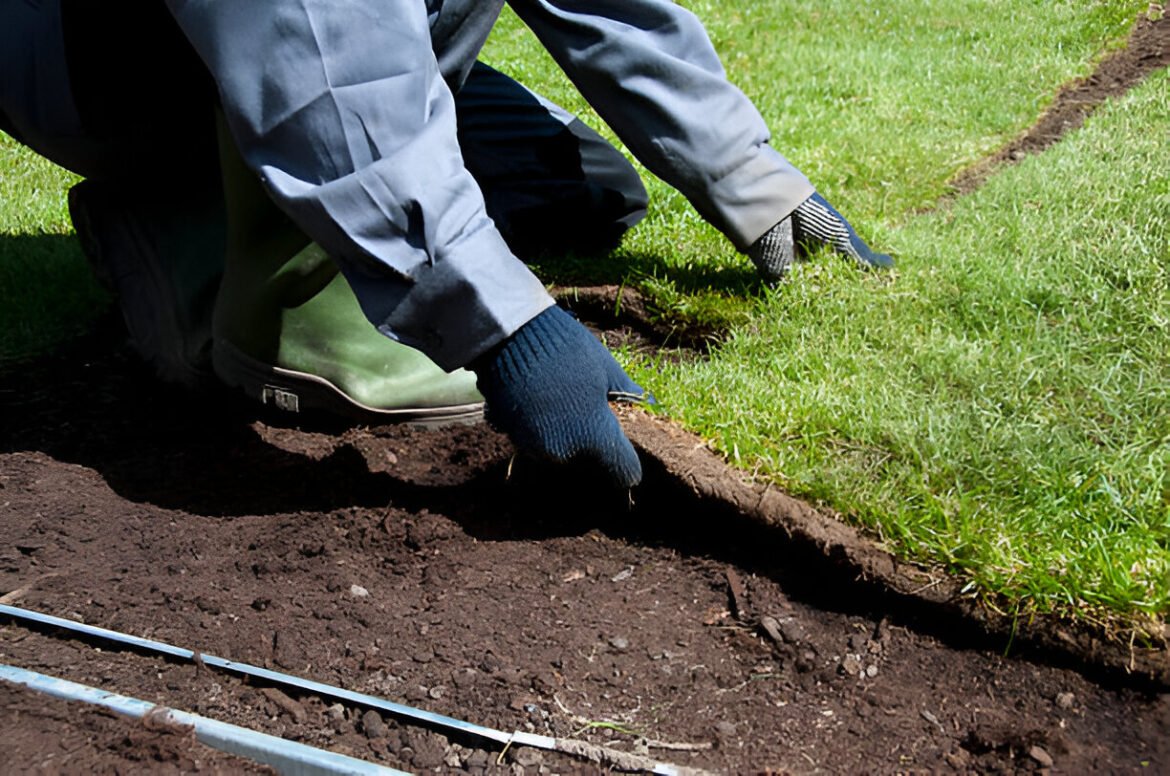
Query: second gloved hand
{"type": "Point", "coordinates": [548, 386]}
{"type": "Point", "coordinates": [813, 224]}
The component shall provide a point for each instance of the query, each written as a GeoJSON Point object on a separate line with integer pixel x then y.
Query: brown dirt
{"type": "Point", "coordinates": [712, 623]}
{"type": "Point", "coordinates": [55, 736]}
{"type": "Point", "coordinates": [622, 317]}
{"type": "Point", "coordinates": [529, 601]}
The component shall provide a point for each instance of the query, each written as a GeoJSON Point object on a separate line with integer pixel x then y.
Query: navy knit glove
{"type": "Point", "coordinates": [547, 387]}
{"type": "Point", "coordinates": [814, 223]}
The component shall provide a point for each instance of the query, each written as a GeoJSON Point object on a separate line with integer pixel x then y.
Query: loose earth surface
{"type": "Point", "coordinates": [430, 568]}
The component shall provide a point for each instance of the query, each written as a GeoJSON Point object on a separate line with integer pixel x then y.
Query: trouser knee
{"type": "Point", "coordinates": [550, 182]}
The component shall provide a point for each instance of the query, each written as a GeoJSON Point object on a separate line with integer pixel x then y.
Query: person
{"type": "Point", "coordinates": [368, 168]}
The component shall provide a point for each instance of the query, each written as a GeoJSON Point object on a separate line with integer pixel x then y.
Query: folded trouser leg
{"type": "Point", "coordinates": [288, 330]}
{"type": "Point", "coordinates": [161, 253]}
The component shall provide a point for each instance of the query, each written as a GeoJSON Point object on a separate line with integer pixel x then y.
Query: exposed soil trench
{"type": "Point", "coordinates": [1147, 50]}
{"type": "Point", "coordinates": [712, 623]}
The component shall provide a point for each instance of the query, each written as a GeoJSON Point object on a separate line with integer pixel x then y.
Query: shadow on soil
{"type": "Point", "coordinates": [95, 405]}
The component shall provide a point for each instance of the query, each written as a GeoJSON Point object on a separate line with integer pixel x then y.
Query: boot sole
{"type": "Point", "coordinates": [292, 391]}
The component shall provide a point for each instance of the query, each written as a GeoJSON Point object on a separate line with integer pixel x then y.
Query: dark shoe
{"type": "Point", "coordinates": [161, 255]}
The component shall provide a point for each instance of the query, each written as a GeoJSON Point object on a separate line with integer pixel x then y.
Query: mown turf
{"type": "Point", "coordinates": [999, 406]}
{"type": "Point", "coordinates": [49, 294]}
{"type": "Point", "coordinates": [996, 406]}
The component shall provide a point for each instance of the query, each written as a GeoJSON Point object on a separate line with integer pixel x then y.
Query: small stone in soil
{"type": "Point", "coordinates": [1065, 700]}
{"type": "Point", "coordinates": [463, 678]}
{"type": "Point", "coordinates": [620, 643]}
{"type": "Point", "coordinates": [792, 632]}
{"type": "Point", "coordinates": [285, 703]}
{"type": "Point", "coordinates": [851, 665]}
{"type": "Point", "coordinates": [1041, 756]}
{"type": "Point", "coordinates": [336, 716]}
{"type": "Point", "coordinates": [520, 701]}
{"type": "Point", "coordinates": [771, 627]}
{"type": "Point", "coordinates": [430, 749]}
{"type": "Point", "coordinates": [357, 591]}
{"type": "Point", "coordinates": [931, 718]}
{"type": "Point", "coordinates": [526, 756]}
{"type": "Point", "coordinates": [372, 725]}
{"type": "Point", "coordinates": [958, 759]}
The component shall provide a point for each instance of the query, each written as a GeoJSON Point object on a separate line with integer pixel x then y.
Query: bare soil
{"type": "Point", "coordinates": [51, 735]}
{"type": "Point", "coordinates": [430, 568]}
{"type": "Point", "coordinates": [710, 622]}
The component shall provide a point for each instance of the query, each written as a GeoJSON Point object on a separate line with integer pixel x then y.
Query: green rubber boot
{"type": "Point", "coordinates": [288, 330]}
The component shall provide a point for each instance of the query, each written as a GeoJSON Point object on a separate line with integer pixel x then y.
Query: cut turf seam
{"type": "Point", "coordinates": [1124, 644]}
{"type": "Point", "coordinates": [844, 556]}
{"type": "Point", "coordinates": [1147, 49]}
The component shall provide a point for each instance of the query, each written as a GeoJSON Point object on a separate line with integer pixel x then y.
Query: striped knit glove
{"type": "Point", "coordinates": [813, 224]}
{"type": "Point", "coordinates": [547, 388]}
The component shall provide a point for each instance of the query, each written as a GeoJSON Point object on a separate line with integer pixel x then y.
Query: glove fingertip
{"type": "Point", "coordinates": [615, 453]}
{"type": "Point", "coordinates": [625, 466]}
{"type": "Point", "coordinates": [622, 387]}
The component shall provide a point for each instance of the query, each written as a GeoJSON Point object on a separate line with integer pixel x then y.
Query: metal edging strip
{"type": "Point", "coordinates": [290, 758]}
{"type": "Point", "coordinates": [288, 680]}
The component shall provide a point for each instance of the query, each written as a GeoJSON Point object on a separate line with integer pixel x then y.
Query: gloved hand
{"type": "Point", "coordinates": [547, 388]}
{"type": "Point", "coordinates": [813, 224]}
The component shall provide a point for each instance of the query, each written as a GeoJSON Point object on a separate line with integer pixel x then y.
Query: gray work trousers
{"type": "Point", "coordinates": [549, 181]}
{"type": "Point", "coordinates": [357, 116]}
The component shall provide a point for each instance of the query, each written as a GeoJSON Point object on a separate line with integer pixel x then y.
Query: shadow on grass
{"type": "Point", "coordinates": [633, 268]}
{"type": "Point", "coordinates": [636, 300]}
{"type": "Point", "coordinates": [49, 293]}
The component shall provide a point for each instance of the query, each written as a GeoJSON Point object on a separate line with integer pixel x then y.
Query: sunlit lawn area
{"type": "Point", "coordinates": [998, 406]}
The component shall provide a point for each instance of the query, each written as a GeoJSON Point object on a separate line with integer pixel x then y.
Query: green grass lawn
{"type": "Point", "coordinates": [1001, 406]}
{"type": "Point", "coordinates": [49, 295]}
{"type": "Point", "coordinates": [996, 406]}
